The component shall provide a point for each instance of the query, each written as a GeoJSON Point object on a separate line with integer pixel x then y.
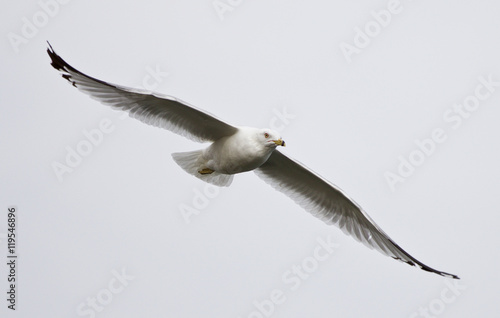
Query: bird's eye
{"type": "Point", "coordinates": [266, 135]}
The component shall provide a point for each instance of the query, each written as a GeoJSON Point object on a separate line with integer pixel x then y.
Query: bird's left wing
{"type": "Point", "coordinates": [151, 108]}
{"type": "Point", "coordinates": [329, 203]}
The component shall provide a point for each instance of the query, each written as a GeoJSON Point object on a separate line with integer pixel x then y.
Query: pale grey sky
{"type": "Point", "coordinates": [354, 87]}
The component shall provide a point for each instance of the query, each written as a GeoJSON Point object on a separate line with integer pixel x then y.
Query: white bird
{"type": "Point", "coordinates": [239, 149]}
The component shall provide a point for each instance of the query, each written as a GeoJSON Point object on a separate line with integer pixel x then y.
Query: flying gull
{"type": "Point", "coordinates": [239, 149]}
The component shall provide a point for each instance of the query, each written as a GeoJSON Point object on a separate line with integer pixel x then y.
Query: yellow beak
{"type": "Point", "coordinates": [280, 142]}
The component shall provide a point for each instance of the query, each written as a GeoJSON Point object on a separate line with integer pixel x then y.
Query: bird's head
{"type": "Point", "coordinates": [270, 138]}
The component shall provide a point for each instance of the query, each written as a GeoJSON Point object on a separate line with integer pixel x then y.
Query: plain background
{"type": "Point", "coordinates": [120, 207]}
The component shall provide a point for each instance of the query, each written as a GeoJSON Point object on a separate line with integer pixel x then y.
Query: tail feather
{"type": "Point", "coordinates": [191, 162]}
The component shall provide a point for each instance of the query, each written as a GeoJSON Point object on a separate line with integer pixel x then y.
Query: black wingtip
{"type": "Point", "coordinates": [421, 265]}
{"type": "Point", "coordinates": [454, 276]}
{"type": "Point", "coordinates": [444, 274]}
{"type": "Point", "coordinates": [56, 61]}
{"type": "Point", "coordinates": [59, 64]}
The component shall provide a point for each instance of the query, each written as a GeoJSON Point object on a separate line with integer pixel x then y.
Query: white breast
{"type": "Point", "coordinates": [237, 153]}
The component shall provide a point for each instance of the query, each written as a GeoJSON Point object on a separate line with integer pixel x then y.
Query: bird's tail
{"type": "Point", "coordinates": [192, 163]}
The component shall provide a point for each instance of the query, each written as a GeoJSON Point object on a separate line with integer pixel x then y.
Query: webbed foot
{"type": "Point", "coordinates": [205, 171]}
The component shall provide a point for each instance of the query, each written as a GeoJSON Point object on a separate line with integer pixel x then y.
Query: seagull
{"type": "Point", "coordinates": [235, 150]}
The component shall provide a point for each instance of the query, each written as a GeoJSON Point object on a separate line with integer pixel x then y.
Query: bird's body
{"type": "Point", "coordinates": [245, 150]}
{"type": "Point", "coordinates": [235, 150]}
{"type": "Point", "coordinates": [238, 153]}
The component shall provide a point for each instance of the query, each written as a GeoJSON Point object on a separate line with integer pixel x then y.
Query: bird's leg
{"type": "Point", "coordinates": [205, 171]}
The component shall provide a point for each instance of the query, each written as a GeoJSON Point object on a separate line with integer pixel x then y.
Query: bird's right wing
{"type": "Point", "coordinates": [329, 203]}
{"type": "Point", "coordinates": [151, 108]}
